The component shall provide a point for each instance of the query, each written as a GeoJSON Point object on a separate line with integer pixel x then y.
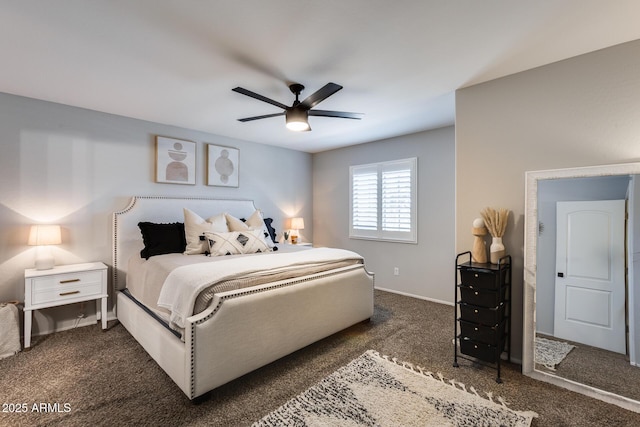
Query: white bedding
{"type": "Point", "coordinates": [184, 277]}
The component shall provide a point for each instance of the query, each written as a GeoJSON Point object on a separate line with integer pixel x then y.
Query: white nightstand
{"type": "Point", "coordinates": [64, 284]}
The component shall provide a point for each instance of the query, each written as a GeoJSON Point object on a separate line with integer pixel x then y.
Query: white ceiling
{"type": "Point", "coordinates": [400, 62]}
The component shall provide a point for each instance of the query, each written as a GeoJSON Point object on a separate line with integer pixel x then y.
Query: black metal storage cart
{"type": "Point", "coordinates": [483, 304]}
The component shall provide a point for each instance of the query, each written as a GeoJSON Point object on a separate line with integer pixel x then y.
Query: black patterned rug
{"type": "Point", "coordinates": [374, 390]}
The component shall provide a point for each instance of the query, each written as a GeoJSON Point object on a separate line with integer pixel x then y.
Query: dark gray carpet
{"type": "Point", "coordinates": [106, 378]}
{"type": "Point", "coordinates": [598, 368]}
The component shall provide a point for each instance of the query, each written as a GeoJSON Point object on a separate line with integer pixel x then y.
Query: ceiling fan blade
{"type": "Point", "coordinates": [338, 114]}
{"type": "Point", "coordinates": [259, 97]}
{"type": "Point", "coordinates": [266, 116]}
{"type": "Point", "coordinates": [320, 95]}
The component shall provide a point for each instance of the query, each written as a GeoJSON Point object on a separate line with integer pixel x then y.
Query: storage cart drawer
{"type": "Point", "coordinates": [482, 279]}
{"type": "Point", "coordinates": [482, 297]}
{"type": "Point", "coordinates": [493, 335]}
{"type": "Point", "coordinates": [485, 352]}
{"type": "Point", "coordinates": [486, 316]}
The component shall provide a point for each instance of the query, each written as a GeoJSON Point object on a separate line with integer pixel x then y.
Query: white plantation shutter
{"type": "Point", "coordinates": [383, 201]}
{"type": "Point", "coordinates": [396, 200]}
{"type": "Point", "coordinates": [365, 200]}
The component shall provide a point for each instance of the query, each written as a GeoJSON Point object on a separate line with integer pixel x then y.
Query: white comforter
{"type": "Point", "coordinates": [183, 284]}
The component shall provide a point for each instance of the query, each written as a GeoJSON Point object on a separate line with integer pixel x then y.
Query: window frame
{"type": "Point", "coordinates": [379, 234]}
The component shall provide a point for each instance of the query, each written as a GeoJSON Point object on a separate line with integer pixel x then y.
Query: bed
{"type": "Point", "coordinates": [239, 329]}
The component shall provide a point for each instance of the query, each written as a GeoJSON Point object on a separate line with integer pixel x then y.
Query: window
{"type": "Point", "coordinates": [383, 201]}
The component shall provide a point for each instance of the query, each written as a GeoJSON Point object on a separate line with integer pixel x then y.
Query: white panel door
{"type": "Point", "coordinates": [590, 279]}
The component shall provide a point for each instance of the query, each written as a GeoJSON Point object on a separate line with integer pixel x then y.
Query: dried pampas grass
{"type": "Point", "coordinates": [495, 220]}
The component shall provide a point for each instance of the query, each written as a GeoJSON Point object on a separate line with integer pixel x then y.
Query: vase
{"type": "Point", "coordinates": [496, 250]}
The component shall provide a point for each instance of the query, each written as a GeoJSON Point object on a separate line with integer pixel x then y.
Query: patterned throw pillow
{"type": "Point", "coordinates": [195, 227]}
{"type": "Point", "coordinates": [236, 242]}
{"type": "Point", "coordinates": [254, 222]}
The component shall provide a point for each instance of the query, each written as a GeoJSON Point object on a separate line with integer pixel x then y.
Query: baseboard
{"type": "Point", "coordinates": [393, 291]}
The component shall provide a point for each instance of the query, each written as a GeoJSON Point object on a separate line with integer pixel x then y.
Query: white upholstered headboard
{"type": "Point", "coordinates": [127, 239]}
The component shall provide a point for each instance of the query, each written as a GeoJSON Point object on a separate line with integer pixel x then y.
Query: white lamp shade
{"type": "Point", "coordinates": [41, 235]}
{"type": "Point", "coordinates": [297, 223]}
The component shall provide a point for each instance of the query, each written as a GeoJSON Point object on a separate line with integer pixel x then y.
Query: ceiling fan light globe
{"type": "Point", "coordinates": [297, 120]}
{"type": "Point", "coordinates": [297, 126]}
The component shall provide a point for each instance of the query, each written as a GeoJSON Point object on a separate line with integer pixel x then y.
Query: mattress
{"type": "Point", "coordinates": [176, 286]}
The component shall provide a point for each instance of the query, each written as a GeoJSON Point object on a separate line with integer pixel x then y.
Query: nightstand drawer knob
{"type": "Point", "coordinates": [69, 281]}
{"type": "Point", "coordinates": [69, 293]}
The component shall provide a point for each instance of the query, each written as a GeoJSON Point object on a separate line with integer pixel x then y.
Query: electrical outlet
{"type": "Point", "coordinates": [396, 271]}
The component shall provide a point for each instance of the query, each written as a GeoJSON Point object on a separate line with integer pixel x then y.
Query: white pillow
{"type": "Point", "coordinates": [195, 226]}
{"type": "Point", "coordinates": [236, 242]}
{"type": "Point", "coordinates": [254, 222]}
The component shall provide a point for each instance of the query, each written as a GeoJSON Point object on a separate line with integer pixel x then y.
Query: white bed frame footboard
{"type": "Point", "coordinates": [242, 330]}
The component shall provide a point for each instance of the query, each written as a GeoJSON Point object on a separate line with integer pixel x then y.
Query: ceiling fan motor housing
{"type": "Point", "coordinates": [296, 88]}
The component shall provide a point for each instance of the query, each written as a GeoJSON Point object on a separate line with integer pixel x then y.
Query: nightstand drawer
{"type": "Point", "coordinates": [57, 281]}
{"type": "Point", "coordinates": [62, 293]}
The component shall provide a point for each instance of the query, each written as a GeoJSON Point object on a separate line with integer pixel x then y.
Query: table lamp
{"type": "Point", "coordinates": [296, 225]}
{"type": "Point", "coordinates": [42, 236]}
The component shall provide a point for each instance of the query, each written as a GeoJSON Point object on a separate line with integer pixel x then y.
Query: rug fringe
{"type": "Point", "coordinates": [474, 391]}
{"type": "Point", "coordinates": [438, 376]}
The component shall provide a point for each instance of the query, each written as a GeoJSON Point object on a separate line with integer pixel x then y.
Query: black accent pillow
{"type": "Point", "coordinates": [160, 239]}
{"type": "Point", "coordinates": [270, 229]}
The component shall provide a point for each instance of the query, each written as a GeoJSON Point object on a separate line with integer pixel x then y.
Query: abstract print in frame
{"type": "Point", "coordinates": [175, 161]}
{"type": "Point", "coordinates": [223, 166]}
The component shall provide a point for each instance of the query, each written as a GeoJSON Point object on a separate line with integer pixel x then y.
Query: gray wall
{"type": "Point", "coordinates": [74, 167]}
{"type": "Point", "coordinates": [549, 193]}
{"type": "Point", "coordinates": [426, 269]}
{"type": "Point", "coordinates": [579, 112]}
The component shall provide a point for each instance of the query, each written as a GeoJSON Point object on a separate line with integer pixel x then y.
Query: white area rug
{"type": "Point", "coordinates": [550, 353]}
{"type": "Point", "coordinates": [375, 391]}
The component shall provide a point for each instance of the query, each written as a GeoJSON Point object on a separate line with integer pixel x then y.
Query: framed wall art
{"type": "Point", "coordinates": [175, 161]}
{"type": "Point", "coordinates": [223, 166]}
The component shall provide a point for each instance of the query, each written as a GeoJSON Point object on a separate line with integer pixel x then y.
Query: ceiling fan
{"type": "Point", "coordinates": [297, 116]}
